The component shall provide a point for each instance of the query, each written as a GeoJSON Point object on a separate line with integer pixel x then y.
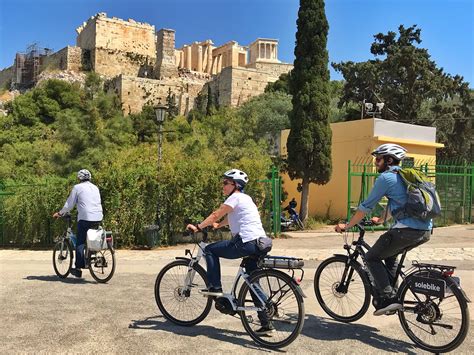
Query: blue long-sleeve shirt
{"type": "Point", "coordinates": [391, 185]}
{"type": "Point", "coordinates": [87, 197]}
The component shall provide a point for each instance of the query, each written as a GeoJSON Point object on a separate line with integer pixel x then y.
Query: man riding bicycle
{"type": "Point", "coordinates": [240, 213]}
{"type": "Point", "coordinates": [89, 213]}
{"type": "Point", "coordinates": [405, 233]}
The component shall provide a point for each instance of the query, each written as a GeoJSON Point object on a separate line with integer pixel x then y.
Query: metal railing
{"type": "Point", "coordinates": [454, 184]}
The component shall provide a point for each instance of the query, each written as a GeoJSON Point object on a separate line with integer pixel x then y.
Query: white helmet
{"type": "Point", "coordinates": [393, 150]}
{"type": "Point", "coordinates": [84, 175]}
{"type": "Point", "coordinates": [238, 176]}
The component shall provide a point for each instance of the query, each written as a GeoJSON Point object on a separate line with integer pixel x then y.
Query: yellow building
{"type": "Point", "coordinates": [355, 140]}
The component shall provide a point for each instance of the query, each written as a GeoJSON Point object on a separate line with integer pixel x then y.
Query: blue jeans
{"type": "Point", "coordinates": [233, 249]}
{"type": "Point", "coordinates": [82, 228]}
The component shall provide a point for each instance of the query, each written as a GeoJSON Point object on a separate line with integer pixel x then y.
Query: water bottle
{"type": "Point", "coordinates": [73, 239]}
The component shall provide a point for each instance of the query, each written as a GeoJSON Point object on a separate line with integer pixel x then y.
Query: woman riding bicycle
{"type": "Point", "coordinates": [240, 213]}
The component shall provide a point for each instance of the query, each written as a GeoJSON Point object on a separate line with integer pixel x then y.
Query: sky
{"type": "Point", "coordinates": [447, 25]}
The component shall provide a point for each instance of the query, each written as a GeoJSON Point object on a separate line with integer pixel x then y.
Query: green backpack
{"type": "Point", "coordinates": [423, 201]}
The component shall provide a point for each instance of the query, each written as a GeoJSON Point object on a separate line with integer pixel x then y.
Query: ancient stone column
{"type": "Point", "coordinates": [199, 59]}
{"type": "Point", "coordinates": [187, 57]}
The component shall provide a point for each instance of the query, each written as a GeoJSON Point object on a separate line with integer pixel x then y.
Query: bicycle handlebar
{"type": "Point", "coordinates": [204, 232]}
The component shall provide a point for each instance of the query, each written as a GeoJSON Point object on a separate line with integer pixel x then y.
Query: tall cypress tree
{"type": "Point", "coordinates": [309, 141]}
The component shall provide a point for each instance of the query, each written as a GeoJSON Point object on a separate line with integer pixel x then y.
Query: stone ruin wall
{"type": "Point", "coordinates": [134, 93]}
{"type": "Point", "coordinates": [132, 55]}
{"type": "Point", "coordinates": [117, 46]}
{"type": "Point", "coordinates": [236, 85]}
{"type": "Point", "coordinates": [165, 55]}
{"type": "Point", "coordinates": [68, 58]}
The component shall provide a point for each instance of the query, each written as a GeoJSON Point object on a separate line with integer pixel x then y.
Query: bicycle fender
{"type": "Point", "coordinates": [300, 290]}
{"type": "Point", "coordinates": [465, 296]}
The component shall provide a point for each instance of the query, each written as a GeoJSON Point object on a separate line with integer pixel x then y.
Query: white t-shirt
{"type": "Point", "coordinates": [244, 218]}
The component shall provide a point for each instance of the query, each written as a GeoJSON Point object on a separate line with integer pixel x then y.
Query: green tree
{"type": "Point", "coordinates": [413, 88]}
{"type": "Point", "coordinates": [309, 141]}
{"type": "Point", "coordinates": [281, 85]}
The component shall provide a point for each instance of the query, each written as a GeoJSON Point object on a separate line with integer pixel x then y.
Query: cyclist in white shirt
{"type": "Point", "coordinates": [89, 213]}
{"type": "Point", "coordinates": [240, 213]}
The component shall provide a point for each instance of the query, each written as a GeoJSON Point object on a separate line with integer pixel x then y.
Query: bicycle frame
{"type": "Point", "coordinates": [232, 297]}
{"type": "Point", "coordinates": [361, 248]}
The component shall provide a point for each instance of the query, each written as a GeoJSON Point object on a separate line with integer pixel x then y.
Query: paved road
{"type": "Point", "coordinates": [39, 312]}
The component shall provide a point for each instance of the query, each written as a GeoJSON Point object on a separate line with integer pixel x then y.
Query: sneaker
{"type": "Point", "coordinates": [76, 272]}
{"type": "Point", "coordinates": [212, 292]}
{"type": "Point", "coordinates": [387, 306]}
{"type": "Point", "coordinates": [265, 330]}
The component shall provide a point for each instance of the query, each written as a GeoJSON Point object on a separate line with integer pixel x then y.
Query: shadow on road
{"type": "Point", "coordinates": [326, 329]}
{"type": "Point", "coordinates": [158, 322]}
{"type": "Point", "coordinates": [55, 278]}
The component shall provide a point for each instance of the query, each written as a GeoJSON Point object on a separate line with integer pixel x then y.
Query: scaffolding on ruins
{"type": "Point", "coordinates": [28, 65]}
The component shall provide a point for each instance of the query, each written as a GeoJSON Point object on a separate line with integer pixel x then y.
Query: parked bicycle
{"type": "Point", "coordinates": [268, 290]}
{"type": "Point", "coordinates": [101, 263]}
{"type": "Point", "coordinates": [435, 314]}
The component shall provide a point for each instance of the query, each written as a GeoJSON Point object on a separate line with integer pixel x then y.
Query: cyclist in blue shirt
{"type": "Point", "coordinates": [89, 213]}
{"type": "Point", "coordinates": [405, 233]}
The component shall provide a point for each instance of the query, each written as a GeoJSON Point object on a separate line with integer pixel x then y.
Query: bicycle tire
{"type": "Point", "coordinates": [69, 256]}
{"type": "Point", "coordinates": [179, 296]}
{"type": "Point", "coordinates": [95, 274]}
{"type": "Point", "coordinates": [275, 317]}
{"type": "Point", "coordinates": [321, 290]}
{"type": "Point", "coordinates": [464, 312]}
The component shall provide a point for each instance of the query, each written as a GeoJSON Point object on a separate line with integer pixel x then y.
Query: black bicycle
{"type": "Point", "coordinates": [101, 264]}
{"type": "Point", "coordinates": [435, 314]}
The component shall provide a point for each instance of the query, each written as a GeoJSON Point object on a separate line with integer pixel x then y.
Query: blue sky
{"type": "Point", "coordinates": [447, 25]}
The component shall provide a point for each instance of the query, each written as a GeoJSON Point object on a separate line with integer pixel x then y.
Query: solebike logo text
{"type": "Point", "coordinates": [428, 286]}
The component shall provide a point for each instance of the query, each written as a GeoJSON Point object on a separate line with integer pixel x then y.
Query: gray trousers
{"type": "Point", "coordinates": [387, 248]}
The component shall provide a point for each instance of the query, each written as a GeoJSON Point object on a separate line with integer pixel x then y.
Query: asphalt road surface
{"type": "Point", "coordinates": [42, 313]}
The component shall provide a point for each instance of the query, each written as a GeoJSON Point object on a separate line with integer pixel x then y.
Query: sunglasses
{"type": "Point", "coordinates": [378, 159]}
{"type": "Point", "coordinates": [226, 182]}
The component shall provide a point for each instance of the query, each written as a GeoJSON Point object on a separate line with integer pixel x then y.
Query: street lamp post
{"type": "Point", "coordinates": [160, 112]}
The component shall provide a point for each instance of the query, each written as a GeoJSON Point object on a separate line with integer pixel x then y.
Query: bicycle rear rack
{"type": "Point", "coordinates": [442, 268]}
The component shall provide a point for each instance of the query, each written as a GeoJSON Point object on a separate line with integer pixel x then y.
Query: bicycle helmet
{"type": "Point", "coordinates": [238, 176]}
{"type": "Point", "coordinates": [392, 150]}
{"type": "Point", "coordinates": [84, 175]}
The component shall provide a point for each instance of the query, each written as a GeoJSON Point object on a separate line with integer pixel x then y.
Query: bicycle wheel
{"type": "Point", "coordinates": [62, 258]}
{"type": "Point", "coordinates": [180, 303]}
{"type": "Point", "coordinates": [345, 300]}
{"type": "Point", "coordinates": [284, 308]}
{"type": "Point", "coordinates": [102, 264]}
{"type": "Point", "coordinates": [434, 324]}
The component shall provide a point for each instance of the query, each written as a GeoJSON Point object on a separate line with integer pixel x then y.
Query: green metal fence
{"type": "Point", "coordinates": [272, 205]}
{"type": "Point", "coordinates": [454, 184]}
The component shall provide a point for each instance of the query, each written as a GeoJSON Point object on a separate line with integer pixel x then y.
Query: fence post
{"type": "Point", "coordinates": [276, 201]}
{"type": "Point", "coordinates": [349, 189]}
{"type": "Point", "coordinates": [471, 192]}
